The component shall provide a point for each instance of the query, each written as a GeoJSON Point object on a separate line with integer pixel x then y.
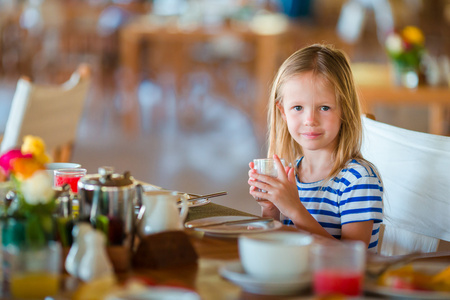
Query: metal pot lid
{"type": "Point", "coordinates": [107, 178]}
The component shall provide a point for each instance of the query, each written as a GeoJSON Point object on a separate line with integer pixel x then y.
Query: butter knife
{"type": "Point", "coordinates": [234, 222]}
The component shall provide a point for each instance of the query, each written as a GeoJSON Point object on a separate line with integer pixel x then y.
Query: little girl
{"type": "Point", "coordinates": [314, 121]}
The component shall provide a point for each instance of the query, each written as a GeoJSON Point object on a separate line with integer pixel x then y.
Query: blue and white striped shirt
{"type": "Point", "coordinates": [354, 195]}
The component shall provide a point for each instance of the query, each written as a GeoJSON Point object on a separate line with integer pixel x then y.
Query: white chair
{"type": "Point", "coordinates": [415, 169]}
{"type": "Point", "coordinates": [51, 112]}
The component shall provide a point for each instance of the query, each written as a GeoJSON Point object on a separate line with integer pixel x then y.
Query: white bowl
{"type": "Point", "coordinates": [62, 165]}
{"type": "Point", "coordinates": [275, 255]}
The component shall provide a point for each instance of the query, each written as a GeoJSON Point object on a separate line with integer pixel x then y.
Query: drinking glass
{"type": "Point", "coordinates": [34, 273]}
{"type": "Point", "coordinates": [70, 176]}
{"type": "Point", "coordinates": [51, 167]}
{"type": "Point", "coordinates": [268, 167]}
{"type": "Point", "coordinates": [338, 267]}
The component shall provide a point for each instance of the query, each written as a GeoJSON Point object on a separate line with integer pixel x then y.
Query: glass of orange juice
{"type": "Point", "coordinates": [35, 273]}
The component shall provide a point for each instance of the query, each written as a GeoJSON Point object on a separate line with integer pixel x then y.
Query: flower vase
{"type": "Point", "coordinates": [405, 76]}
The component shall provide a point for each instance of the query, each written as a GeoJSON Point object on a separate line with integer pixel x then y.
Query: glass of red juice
{"type": "Point", "coordinates": [338, 268]}
{"type": "Point", "coordinates": [70, 176]}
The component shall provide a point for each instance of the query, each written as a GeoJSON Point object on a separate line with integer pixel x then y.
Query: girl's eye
{"type": "Point", "coordinates": [325, 108]}
{"type": "Point", "coordinates": [298, 108]}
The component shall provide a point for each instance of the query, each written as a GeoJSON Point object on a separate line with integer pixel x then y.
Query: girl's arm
{"type": "Point", "coordinates": [283, 193]}
{"type": "Point", "coordinates": [361, 231]}
{"type": "Point", "coordinates": [292, 208]}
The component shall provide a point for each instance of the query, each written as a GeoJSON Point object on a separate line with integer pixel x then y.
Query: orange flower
{"type": "Point", "coordinates": [25, 167]}
{"type": "Point", "coordinates": [413, 35]}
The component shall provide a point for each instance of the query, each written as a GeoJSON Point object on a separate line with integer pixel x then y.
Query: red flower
{"type": "Point", "coordinates": [7, 158]}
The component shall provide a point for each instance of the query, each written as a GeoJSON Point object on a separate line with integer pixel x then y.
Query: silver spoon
{"type": "Point", "coordinates": [189, 196]}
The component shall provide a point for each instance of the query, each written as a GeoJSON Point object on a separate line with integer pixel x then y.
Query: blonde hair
{"type": "Point", "coordinates": [333, 65]}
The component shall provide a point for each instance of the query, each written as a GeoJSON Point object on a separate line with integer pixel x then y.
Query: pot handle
{"type": "Point", "coordinates": [140, 215]}
{"type": "Point", "coordinates": [184, 208]}
{"type": "Point", "coordinates": [139, 193]}
{"type": "Point", "coordinates": [139, 205]}
{"type": "Point", "coordinates": [95, 205]}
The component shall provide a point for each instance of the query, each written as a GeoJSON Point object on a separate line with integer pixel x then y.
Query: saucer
{"type": "Point", "coordinates": [235, 273]}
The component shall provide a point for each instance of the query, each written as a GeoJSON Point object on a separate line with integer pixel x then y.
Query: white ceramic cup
{"type": "Point", "coordinates": [275, 255]}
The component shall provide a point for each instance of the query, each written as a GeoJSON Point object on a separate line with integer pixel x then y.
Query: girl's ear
{"type": "Point", "coordinates": [281, 109]}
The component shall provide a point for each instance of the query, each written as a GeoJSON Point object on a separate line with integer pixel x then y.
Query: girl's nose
{"type": "Point", "coordinates": [310, 118]}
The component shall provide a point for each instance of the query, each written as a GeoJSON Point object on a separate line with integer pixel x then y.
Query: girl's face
{"type": "Point", "coordinates": [310, 110]}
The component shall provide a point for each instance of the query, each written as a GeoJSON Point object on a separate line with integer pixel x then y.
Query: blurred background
{"type": "Point", "coordinates": [180, 87]}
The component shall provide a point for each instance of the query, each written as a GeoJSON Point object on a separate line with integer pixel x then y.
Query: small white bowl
{"type": "Point", "coordinates": [275, 255]}
{"type": "Point", "coordinates": [62, 165]}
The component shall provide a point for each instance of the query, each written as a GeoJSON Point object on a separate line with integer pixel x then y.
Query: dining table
{"type": "Point", "coordinates": [215, 251]}
{"type": "Point", "coordinates": [376, 89]}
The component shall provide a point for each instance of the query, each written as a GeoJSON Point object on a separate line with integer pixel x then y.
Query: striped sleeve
{"type": "Point", "coordinates": [362, 201]}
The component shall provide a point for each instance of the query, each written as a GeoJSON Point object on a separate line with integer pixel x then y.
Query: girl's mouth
{"type": "Point", "coordinates": [311, 135]}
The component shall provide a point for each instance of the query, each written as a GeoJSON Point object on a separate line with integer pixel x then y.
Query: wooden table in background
{"type": "Point", "coordinates": [266, 53]}
{"type": "Point", "coordinates": [375, 87]}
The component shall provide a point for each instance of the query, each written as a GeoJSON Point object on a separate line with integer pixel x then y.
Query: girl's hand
{"type": "Point", "coordinates": [281, 191]}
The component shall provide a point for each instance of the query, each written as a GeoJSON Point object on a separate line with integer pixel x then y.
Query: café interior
{"type": "Point", "coordinates": [179, 88]}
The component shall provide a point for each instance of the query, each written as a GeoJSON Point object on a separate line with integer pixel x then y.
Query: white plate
{"type": "Point", "coordinates": [156, 293]}
{"type": "Point", "coordinates": [192, 203]}
{"type": "Point", "coordinates": [233, 230]}
{"type": "Point", "coordinates": [422, 266]}
{"type": "Point", "coordinates": [236, 274]}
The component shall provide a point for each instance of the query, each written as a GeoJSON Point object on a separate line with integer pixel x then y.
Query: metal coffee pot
{"type": "Point", "coordinates": [108, 201]}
